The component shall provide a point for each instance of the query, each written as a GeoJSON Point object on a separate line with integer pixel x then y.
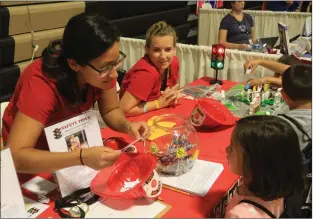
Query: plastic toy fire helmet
{"type": "Point", "coordinates": [211, 113]}
{"type": "Point", "coordinates": [132, 176]}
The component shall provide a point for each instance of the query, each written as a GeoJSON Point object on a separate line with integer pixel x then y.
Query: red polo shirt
{"type": "Point", "coordinates": [144, 81]}
{"type": "Point", "coordinates": [37, 96]}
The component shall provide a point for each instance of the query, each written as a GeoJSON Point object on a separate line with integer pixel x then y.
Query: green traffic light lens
{"type": "Point", "coordinates": [220, 65]}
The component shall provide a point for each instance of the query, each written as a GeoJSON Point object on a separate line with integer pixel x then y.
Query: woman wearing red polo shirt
{"type": "Point", "coordinates": [67, 80]}
{"type": "Point", "coordinates": [157, 71]}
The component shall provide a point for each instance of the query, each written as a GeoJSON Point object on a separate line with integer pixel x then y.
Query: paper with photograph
{"type": "Point", "coordinates": [34, 208]}
{"type": "Point", "coordinates": [76, 133]}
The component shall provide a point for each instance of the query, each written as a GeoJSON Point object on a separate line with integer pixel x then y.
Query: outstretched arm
{"type": "Point", "coordinates": [269, 64]}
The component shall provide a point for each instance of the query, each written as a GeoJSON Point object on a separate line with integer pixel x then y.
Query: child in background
{"type": "Point", "coordinates": [297, 93]}
{"type": "Point", "coordinates": [265, 151]}
{"type": "Point", "coordinates": [296, 81]}
{"type": "Point", "coordinates": [279, 66]}
{"type": "Point", "coordinates": [152, 82]}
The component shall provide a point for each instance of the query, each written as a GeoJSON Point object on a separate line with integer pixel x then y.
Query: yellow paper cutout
{"type": "Point", "coordinates": [195, 155]}
{"type": "Point", "coordinates": [156, 132]}
{"type": "Point", "coordinates": [162, 124]}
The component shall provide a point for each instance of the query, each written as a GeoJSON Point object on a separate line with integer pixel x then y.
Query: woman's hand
{"type": "Point", "coordinates": [137, 129]}
{"type": "Point", "coordinates": [251, 64]}
{"type": "Point", "coordinates": [243, 46]}
{"type": "Point", "coordinates": [169, 96]}
{"type": "Point", "coordinates": [99, 157]}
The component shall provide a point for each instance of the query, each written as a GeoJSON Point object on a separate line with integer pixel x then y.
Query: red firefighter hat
{"type": "Point", "coordinates": [132, 176]}
{"type": "Point", "coordinates": [210, 113]}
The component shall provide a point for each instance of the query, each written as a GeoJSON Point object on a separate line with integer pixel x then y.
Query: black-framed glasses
{"type": "Point", "coordinates": [108, 68]}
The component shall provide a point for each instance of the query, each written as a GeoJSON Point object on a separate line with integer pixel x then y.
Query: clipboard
{"type": "Point", "coordinates": [167, 208]}
{"type": "Point", "coordinates": [1, 143]}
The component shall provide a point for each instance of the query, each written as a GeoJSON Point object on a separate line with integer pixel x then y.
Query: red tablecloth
{"type": "Point", "coordinates": [212, 146]}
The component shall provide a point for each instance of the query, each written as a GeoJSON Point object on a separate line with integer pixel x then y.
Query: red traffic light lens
{"type": "Point", "coordinates": [220, 51]}
{"type": "Point", "coordinates": [214, 49]}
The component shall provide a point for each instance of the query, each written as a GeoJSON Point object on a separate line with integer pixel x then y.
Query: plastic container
{"type": "Point", "coordinates": [173, 141]}
{"type": "Point", "coordinates": [132, 176]}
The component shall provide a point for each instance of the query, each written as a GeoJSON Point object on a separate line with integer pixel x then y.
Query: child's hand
{"type": "Point", "coordinates": [251, 64]}
{"type": "Point", "coordinates": [257, 81]}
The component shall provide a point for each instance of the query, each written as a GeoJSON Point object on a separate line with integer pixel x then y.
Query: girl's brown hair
{"type": "Point", "coordinates": [160, 28]}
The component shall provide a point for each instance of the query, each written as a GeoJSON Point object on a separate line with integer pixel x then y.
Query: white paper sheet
{"type": "Point", "coordinates": [82, 131]}
{"type": "Point", "coordinates": [140, 208]}
{"type": "Point", "coordinates": [198, 180]}
{"type": "Point", "coordinates": [39, 186]}
{"type": "Point", "coordinates": [12, 204]}
{"type": "Point", "coordinates": [34, 208]}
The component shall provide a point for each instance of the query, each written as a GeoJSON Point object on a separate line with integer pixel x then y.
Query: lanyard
{"type": "Point", "coordinates": [76, 202]}
{"type": "Point", "coordinates": [245, 24]}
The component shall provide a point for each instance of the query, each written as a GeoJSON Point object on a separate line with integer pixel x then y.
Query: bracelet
{"type": "Point", "coordinates": [145, 108]}
{"type": "Point", "coordinates": [80, 156]}
{"type": "Point", "coordinates": [157, 104]}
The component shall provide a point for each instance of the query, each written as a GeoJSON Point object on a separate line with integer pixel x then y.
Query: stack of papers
{"type": "Point", "coordinates": [198, 180]}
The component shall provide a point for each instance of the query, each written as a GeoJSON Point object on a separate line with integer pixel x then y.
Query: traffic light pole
{"type": "Point", "coordinates": [215, 80]}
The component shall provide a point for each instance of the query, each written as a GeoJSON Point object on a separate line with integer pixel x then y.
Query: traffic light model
{"type": "Point", "coordinates": [217, 61]}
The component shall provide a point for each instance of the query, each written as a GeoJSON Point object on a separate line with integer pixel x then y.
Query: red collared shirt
{"type": "Point", "coordinates": [144, 81]}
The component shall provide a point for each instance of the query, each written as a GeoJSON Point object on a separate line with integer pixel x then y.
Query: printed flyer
{"type": "Point", "coordinates": [76, 133]}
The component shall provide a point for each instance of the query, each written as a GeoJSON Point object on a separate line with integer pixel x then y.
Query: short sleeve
{"type": "Point", "coordinates": [250, 20]}
{"type": "Point", "coordinates": [37, 99]}
{"type": "Point", "coordinates": [224, 23]}
{"type": "Point", "coordinates": [141, 84]}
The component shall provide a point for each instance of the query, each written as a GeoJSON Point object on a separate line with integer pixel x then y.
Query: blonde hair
{"type": "Point", "coordinates": [160, 28]}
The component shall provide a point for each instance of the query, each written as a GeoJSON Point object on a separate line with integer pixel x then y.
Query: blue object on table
{"type": "Point", "coordinates": [247, 87]}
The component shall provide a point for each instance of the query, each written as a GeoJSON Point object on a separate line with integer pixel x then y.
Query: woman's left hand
{"type": "Point", "coordinates": [138, 129]}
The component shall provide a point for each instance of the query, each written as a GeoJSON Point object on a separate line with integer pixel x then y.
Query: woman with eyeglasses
{"type": "Point", "coordinates": [151, 83]}
{"type": "Point", "coordinates": [71, 75]}
{"type": "Point", "coordinates": [237, 28]}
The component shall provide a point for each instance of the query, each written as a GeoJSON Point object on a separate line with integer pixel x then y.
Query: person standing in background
{"type": "Point", "coordinates": [237, 28]}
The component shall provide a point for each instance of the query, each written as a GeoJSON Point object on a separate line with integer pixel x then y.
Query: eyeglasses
{"type": "Point", "coordinates": [109, 67]}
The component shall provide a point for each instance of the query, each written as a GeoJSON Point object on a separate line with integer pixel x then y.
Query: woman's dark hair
{"type": "Point", "coordinates": [271, 156]}
{"type": "Point", "coordinates": [85, 38]}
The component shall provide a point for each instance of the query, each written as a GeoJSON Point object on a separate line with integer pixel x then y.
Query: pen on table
{"type": "Point", "coordinates": [176, 190]}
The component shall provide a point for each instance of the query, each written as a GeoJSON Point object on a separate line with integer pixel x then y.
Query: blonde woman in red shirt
{"type": "Point", "coordinates": [152, 82]}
